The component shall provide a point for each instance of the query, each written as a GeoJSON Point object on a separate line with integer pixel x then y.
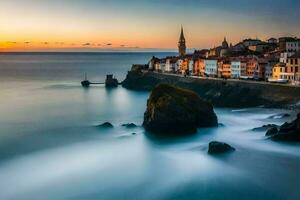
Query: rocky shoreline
{"type": "Point", "coordinates": [221, 93]}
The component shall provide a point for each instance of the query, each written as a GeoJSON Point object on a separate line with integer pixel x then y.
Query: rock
{"type": "Point", "coordinates": [106, 125]}
{"type": "Point", "coordinates": [129, 125]}
{"type": "Point", "coordinates": [265, 127]}
{"type": "Point", "coordinates": [219, 147]}
{"type": "Point", "coordinates": [173, 110]}
{"type": "Point", "coordinates": [111, 81]}
{"type": "Point", "coordinates": [133, 133]}
{"type": "Point", "coordinates": [271, 131]}
{"type": "Point", "coordinates": [288, 132]}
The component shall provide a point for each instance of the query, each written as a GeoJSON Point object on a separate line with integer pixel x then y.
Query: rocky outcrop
{"type": "Point", "coordinates": [105, 125]}
{"type": "Point", "coordinates": [129, 125]}
{"type": "Point", "coordinates": [222, 93]}
{"type": "Point", "coordinates": [215, 147]}
{"type": "Point", "coordinates": [288, 132]}
{"type": "Point", "coordinates": [110, 81]}
{"type": "Point", "coordinates": [173, 110]}
{"type": "Point", "coordinates": [271, 131]}
{"type": "Point", "coordinates": [265, 127]}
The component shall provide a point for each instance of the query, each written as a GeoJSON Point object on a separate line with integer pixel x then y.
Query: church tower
{"type": "Point", "coordinates": [181, 44]}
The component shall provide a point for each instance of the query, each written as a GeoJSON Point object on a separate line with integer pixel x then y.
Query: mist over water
{"type": "Point", "coordinates": [51, 147]}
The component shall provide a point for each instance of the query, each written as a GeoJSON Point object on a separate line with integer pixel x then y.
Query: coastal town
{"type": "Point", "coordinates": [276, 60]}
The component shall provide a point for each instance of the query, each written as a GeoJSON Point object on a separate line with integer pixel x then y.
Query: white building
{"type": "Point", "coordinates": [211, 67]}
{"type": "Point", "coordinates": [171, 65]}
{"type": "Point", "coordinates": [284, 56]}
{"type": "Point", "coordinates": [293, 45]}
{"type": "Point", "coordinates": [191, 66]}
{"type": "Point", "coordinates": [162, 65]}
{"type": "Point", "coordinates": [235, 69]}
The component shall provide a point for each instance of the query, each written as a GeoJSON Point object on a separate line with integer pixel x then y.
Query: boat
{"type": "Point", "coordinates": [85, 82]}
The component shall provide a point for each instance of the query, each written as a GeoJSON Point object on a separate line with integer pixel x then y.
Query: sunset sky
{"type": "Point", "coordinates": [99, 25]}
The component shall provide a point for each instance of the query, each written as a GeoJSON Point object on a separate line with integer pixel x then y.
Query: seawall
{"type": "Point", "coordinates": [222, 93]}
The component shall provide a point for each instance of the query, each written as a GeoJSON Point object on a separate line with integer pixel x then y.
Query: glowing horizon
{"type": "Point", "coordinates": [30, 25]}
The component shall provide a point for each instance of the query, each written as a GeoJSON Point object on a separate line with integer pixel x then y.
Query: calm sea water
{"type": "Point", "coordinates": [50, 147]}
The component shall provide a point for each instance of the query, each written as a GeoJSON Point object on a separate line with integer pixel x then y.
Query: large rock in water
{"type": "Point", "coordinates": [175, 110]}
{"type": "Point", "coordinates": [215, 147]}
{"type": "Point", "coordinates": [288, 132]}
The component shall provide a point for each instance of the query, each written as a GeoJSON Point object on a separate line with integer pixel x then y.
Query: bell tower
{"type": "Point", "coordinates": [181, 44]}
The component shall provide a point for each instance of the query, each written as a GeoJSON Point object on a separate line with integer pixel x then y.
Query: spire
{"type": "Point", "coordinates": [181, 35]}
{"type": "Point", "coordinates": [225, 44]}
{"type": "Point", "coordinates": [181, 43]}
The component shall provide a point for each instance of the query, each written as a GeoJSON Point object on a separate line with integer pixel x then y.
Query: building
{"type": "Point", "coordinates": [269, 70]}
{"type": "Point", "coordinates": [181, 44]}
{"type": "Point", "coordinates": [220, 51]}
{"type": "Point", "coordinates": [171, 64]}
{"type": "Point", "coordinates": [272, 41]}
{"type": "Point", "coordinates": [162, 65]}
{"type": "Point", "coordinates": [279, 71]}
{"type": "Point", "coordinates": [293, 68]}
{"type": "Point", "coordinates": [289, 44]}
{"type": "Point", "coordinates": [284, 56]}
{"type": "Point", "coordinates": [260, 69]}
{"type": "Point", "coordinates": [153, 63]}
{"type": "Point", "coordinates": [236, 69]}
{"type": "Point", "coordinates": [182, 65]}
{"type": "Point", "coordinates": [262, 47]}
{"type": "Point", "coordinates": [251, 42]}
{"type": "Point", "coordinates": [211, 67]}
{"type": "Point", "coordinates": [224, 69]}
{"type": "Point", "coordinates": [199, 66]}
{"type": "Point", "coordinates": [251, 66]}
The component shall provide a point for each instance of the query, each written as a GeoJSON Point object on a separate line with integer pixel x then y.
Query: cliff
{"type": "Point", "coordinates": [221, 93]}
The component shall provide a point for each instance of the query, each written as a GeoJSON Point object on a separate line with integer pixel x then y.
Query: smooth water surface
{"type": "Point", "coordinates": [51, 147]}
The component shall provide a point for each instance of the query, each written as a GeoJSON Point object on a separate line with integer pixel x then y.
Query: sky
{"type": "Point", "coordinates": [140, 25]}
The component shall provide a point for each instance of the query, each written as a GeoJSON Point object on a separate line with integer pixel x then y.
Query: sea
{"type": "Point", "coordinates": [51, 146]}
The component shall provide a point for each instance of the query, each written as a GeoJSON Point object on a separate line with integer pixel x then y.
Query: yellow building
{"type": "Point", "coordinates": [279, 71]}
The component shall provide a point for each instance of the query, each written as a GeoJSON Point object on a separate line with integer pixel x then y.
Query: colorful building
{"type": "Point", "coordinates": [251, 66]}
{"type": "Point", "coordinates": [236, 69]}
{"type": "Point", "coordinates": [260, 69]}
{"type": "Point", "coordinates": [293, 68]}
{"type": "Point", "coordinates": [279, 72]}
{"type": "Point", "coordinates": [224, 69]}
{"type": "Point", "coordinates": [211, 67]}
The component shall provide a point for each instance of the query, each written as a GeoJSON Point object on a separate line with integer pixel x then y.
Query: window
{"type": "Point", "coordinates": [292, 69]}
{"type": "Point", "coordinates": [296, 61]}
{"type": "Point", "coordinates": [291, 61]}
{"type": "Point", "coordinates": [296, 69]}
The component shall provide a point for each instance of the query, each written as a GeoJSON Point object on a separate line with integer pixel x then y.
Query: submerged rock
{"type": "Point", "coordinates": [289, 132]}
{"type": "Point", "coordinates": [129, 125]}
{"type": "Point", "coordinates": [173, 110]}
{"type": "Point", "coordinates": [215, 147]}
{"type": "Point", "coordinates": [106, 125]}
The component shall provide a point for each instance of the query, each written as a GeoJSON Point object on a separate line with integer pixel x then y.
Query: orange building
{"type": "Point", "coordinates": [251, 66]}
{"type": "Point", "coordinates": [224, 69]}
{"type": "Point", "coordinates": [293, 68]}
{"type": "Point", "coordinates": [199, 66]}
